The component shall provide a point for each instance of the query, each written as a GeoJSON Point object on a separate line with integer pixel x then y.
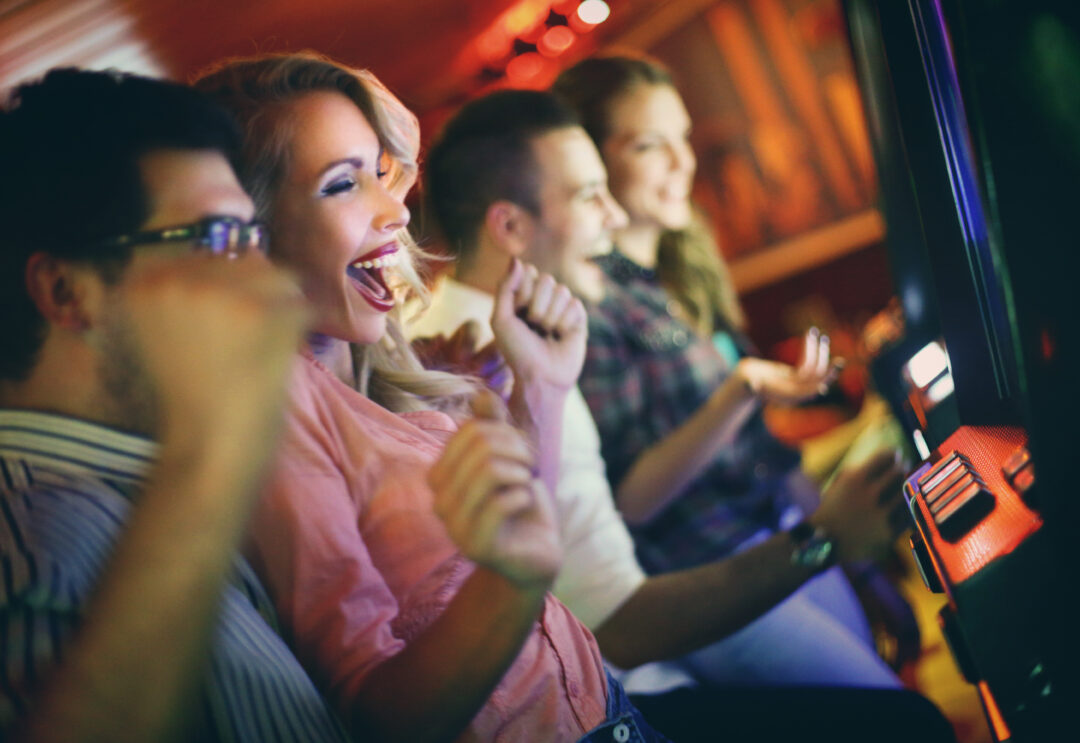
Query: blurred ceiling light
{"type": "Point", "coordinates": [574, 21]}
{"type": "Point", "coordinates": [532, 36]}
{"type": "Point", "coordinates": [530, 70]}
{"type": "Point", "coordinates": [494, 45]}
{"type": "Point", "coordinates": [593, 11]}
{"type": "Point", "coordinates": [556, 40]}
{"type": "Point", "coordinates": [525, 16]}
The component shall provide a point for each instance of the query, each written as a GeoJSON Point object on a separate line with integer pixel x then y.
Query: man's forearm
{"type": "Point", "coordinates": [676, 613]}
{"type": "Point", "coordinates": [538, 409]}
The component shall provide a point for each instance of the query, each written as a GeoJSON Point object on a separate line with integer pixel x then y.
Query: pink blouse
{"type": "Point", "coordinates": [347, 543]}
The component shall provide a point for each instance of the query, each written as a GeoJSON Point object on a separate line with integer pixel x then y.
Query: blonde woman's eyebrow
{"type": "Point", "coordinates": [356, 162]}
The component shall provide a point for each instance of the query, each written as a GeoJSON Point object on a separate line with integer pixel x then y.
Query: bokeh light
{"type": "Point", "coordinates": [494, 45]}
{"type": "Point", "coordinates": [556, 40]}
{"type": "Point", "coordinates": [531, 70]}
{"type": "Point", "coordinates": [593, 11]}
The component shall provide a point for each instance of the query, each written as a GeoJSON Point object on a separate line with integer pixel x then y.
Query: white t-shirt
{"type": "Point", "coordinates": [599, 570]}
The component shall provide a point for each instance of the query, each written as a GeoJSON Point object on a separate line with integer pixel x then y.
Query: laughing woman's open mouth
{"type": "Point", "coordinates": [369, 279]}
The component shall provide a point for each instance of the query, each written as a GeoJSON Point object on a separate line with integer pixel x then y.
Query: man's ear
{"type": "Point", "coordinates": [510, 227]}
{"type": "Point", "coordinates": [62, 291]}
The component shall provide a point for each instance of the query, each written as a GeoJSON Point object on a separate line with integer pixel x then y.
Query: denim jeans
{"type": "Point", "coordinates": [624, 724]}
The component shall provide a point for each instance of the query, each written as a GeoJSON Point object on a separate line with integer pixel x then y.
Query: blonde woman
{"type": "Point", "coordinates": [419, 627]}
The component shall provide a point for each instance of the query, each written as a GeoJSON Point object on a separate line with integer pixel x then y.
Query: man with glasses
{"type": "Point", "coordinates": [217, 235]}
{"type": "Point", "coordinates": [142, 379]}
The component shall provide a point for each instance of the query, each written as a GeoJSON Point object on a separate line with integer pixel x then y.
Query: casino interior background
{"type": "Point", "coordinates": [788, 166]}
{"type": "Point", "coordinates": [786, 172]}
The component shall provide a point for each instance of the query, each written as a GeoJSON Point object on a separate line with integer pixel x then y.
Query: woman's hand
{"type": "Point", "coordinates": [540, 327]}
{"type": "Point", "coordinates": [494, 510]}
{"type": "Point", "coordinates": [780, 383]}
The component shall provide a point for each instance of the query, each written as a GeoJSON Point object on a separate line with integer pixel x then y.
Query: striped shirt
{"type": "Point", "coordinates": [66, 489]}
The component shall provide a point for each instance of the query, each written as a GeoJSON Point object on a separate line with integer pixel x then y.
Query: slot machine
{"type": "Point", "coordinates": [974, 112]}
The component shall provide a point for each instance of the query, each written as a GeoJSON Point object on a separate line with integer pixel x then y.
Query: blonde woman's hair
{"type": "Point", "coordinates": [688, 260]}
{"type": "Point", "coordinates": [690, 267]}
{"type": "Point", "coordinates": [258, 90]}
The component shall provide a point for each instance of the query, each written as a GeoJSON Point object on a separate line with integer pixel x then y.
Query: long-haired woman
{"type": "Point", "coordinates": [419, 626]}
{"type": "Point", "coordinates": [675, 388]}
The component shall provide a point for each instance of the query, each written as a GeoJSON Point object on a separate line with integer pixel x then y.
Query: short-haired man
{"type": "Point", "coordinates": [513, 175]}
{"type": "Point", "coordinates": [142, 380]}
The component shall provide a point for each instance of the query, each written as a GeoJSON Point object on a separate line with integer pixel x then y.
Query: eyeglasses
{"type": "Point", "coordinates": [226, 236]}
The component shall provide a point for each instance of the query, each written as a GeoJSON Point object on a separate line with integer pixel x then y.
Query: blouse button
{"type": "Point", "coordinates": [621, 732]}
{"type": "Point", "coordinates": [672, 307]}
{"type": "Point", "coordinates": [679, 336]}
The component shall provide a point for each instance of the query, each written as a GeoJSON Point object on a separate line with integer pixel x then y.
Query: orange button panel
{"type": "Point", "coordinates": [1002, 520]}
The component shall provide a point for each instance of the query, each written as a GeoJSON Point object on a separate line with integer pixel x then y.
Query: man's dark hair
{"type": "Point", "coordinates": [484, 155]}
{"type": "Point", "coordinates": [69, 176]}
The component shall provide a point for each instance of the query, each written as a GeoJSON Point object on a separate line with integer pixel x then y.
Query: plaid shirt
{"type": "Point", "coordinates": [646, 372]}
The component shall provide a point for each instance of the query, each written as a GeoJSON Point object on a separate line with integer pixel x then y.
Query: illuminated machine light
{"type": "Point", "coordinates": [593, 11]}
{"type": "Point", "coordinates": [920, 444]}
{"type": "Point", "coordinates": [940, 389]}
{"type": "Point", "coordinates": [913, 302]}
{"type": "Point", "coordinates": [556, 41]}
{"type": "Point", "coordinates": [928, 364]}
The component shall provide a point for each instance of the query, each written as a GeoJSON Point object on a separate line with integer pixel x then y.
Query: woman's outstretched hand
{"type": "Point", "coordinates": [779, 383]}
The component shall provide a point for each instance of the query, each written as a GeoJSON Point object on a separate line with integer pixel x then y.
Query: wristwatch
{"type": "Point", "coordinates": [812, 546]}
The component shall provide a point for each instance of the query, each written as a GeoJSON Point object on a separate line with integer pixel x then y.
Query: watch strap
{"type": "Point", "coordinates": [812, 547]}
